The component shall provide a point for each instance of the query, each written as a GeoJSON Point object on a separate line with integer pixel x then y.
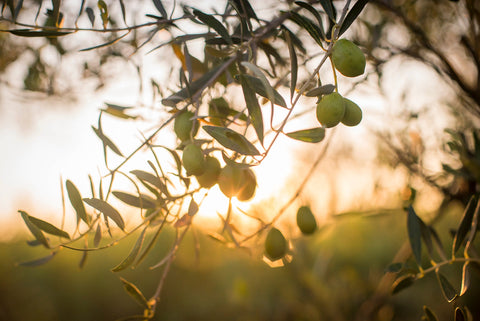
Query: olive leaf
{"type": "Point", "coordinates": [216, 25]}
{"type": "Point", "coordinates": [448, 290]}
{"type": "Point", "coordinates": [312, 135]}
{"type": "Point", "coordinates": [253, 107]}
{"type": "Point", "coordinates": [232, 140]}
{"type": "Point", "coordinates": [466, 279]}
{"type": "Point", "coordinates": [403, 282]}
{"type": "Point", "coordinates": [142, 201]}
{"type": "Point", "coordinates": [414, 234]}
{"type": "Point", "coordinates": [107, 142]}
{"type": "Point", "coordinates": [293, 63]}
{"type": "Point", "coordinates": [107, 210]}
{"type": "Point", "coordinates": [77, 202]}
{"type": "Point", "coordinates": [352, 15]}
{"type": "Point", "coordinates": [38, 33]}
{"type": "Point", "coordinates": [319, 91]}
{"type": "Point", "coordinates": [47, 227]}
{"type": "Point", "coordinates": [135, 293]}
{"type": "Point", "coordinates": [314, 12]}
{"type": "Point", "coordinates": [313, 30]}
{"type": "Point", "coordinates": [260, 89]}
{"type": "Point", "coordinates": [38, 262]}
{"type": "Point", "coordinates": [37, 233]}
{"type": "Point", "coordinates": [133, 253]}
{"type": "Point", "coordinates": [465, 224]}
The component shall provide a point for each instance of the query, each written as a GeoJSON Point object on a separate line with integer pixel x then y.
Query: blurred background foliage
{"type": "Point", "coordinates": [333, 275]}
{"type": "Point", "coordinates": [337, 274]}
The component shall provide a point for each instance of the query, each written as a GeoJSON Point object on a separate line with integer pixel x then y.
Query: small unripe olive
{"type": "Point", "coordinates": [348, 59]}
{"type": "Point", "coordinates": [330, 109]}
{"type": "Point", "coordinates": [306, 220]}
{"type": "Point", "coordinates": [193, 160]}
{"type": "Point", "coordinates": [230, 180]}
{"type": "Point", "coordinates": [183, 125]}
{"type": "Point", "coordinates": [275, 244]}
{"type": "Point", "coordinates": [353, 113]}
{"type": "Point", "coordinates": [249, 185]}
{"type": "Point", "coordinates": [210, 175]}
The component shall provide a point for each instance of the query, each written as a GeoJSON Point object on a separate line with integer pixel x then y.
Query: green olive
{"type": "Point", "coordinates": [183, 125]}
{"type": "Point", "coordinates": [249, 185]}
{"type": "Point", "coordinates": [330, 109]}
{"type": "Point", "coordinates": [230, 180]}
{"type": "Point", "coordinates": [353, 113]}
{"type": "Point", "coordinates": [306, 220]}
{"type": "Point", "coordinates": [275, 244]}
{"type": "Point", "coordinates": [211, 173]}
{"type": "Point", "coordinates": [193, 160]}
{"type": "Point", "coordinates": [348, 59]}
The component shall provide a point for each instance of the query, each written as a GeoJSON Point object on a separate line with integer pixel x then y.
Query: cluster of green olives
{"type": "Point", "coordinates": [276, 246]}
{"type": "Point", "coordinates": [333, 109]}
{"type": "Point", "coordinates": [234, 180]}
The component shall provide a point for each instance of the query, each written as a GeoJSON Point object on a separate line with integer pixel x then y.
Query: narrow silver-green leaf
{"type": "Point", "coordinates": [91, 15]}
{"type": "Point", "coordinates": [312, 135]}
{"type": "Point", "coordinates": [293, 64]}
{"type": "Point", "coordinates": [133, 253]}
{"type": "Point", "coordinates": [260, 76]}
{"type": "Point", "coordinates": [150, 244]}
{"type": "Point", "coordinates": [430, 316]}
{"type": "Point", "coordinates": [465, 224]}
{"type": "Point", "coordinates": [107, 210]}
{"type": "Point", "coordinates": [107, 141]}
{"type": "Point", "coordinates": [37, 233]}
{"type": "Point", "coordinates": [352, 15]}
{"type": "Point", "coordinates": [402, 283]}
{"type": "Point", "coordinates": [149, 178]}
{"type": "Point", "coordinates": [48, 228]}
{"type": "Point", "coordinates": [38, 262]}
{"type": "Point", "coordinates": [122, 6]}
{"type": "Point", "coordinates": [135, 293]}
{"type": "Point", "coordinates": [111, 42]}
{"type": "Point", "coordinates": [473, 230]}
{"type": "Point", "coordinates": [231, 140]}
{"type": "Point", "coordinates": [448, 290]}
{"type": "Point", "coordinates": [76, 201]}
{"type": "Point", "coordinates": [213, 23]}
{"type": "Point", "coordinates": [194, 89]}
{"type": "Point", "coordinates": [320, 91]}
{"type": "Point", "coordinates": [38, 33]}
{"type": "Point", "coordinates": [414, 234]}
{"type": "Point", "coordinates": [315, 13]}
{"type": "Point", "coordinates": [98, 236]}
{"type": "Point", "coordinates": [312, 29]}
{"type": "Point", "coordinates": [260, 89]}
{"type": "Point", "coordinates": [466, 279]}
{"type": "Point", "coordinates": [158, 4]}
{"type": "Point", "coordinates": [142, 201]}
{"type": "Point", "coordinates": [329, 10]}
{"type": "Point", "coordinates": [253, 107]}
